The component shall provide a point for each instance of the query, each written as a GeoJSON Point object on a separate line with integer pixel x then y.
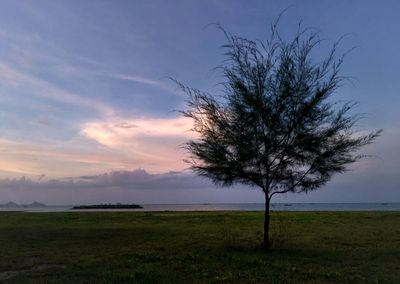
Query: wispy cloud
{"type": "Point", "coordinates": [138, 79]}
{"type": "Point", "coordinates": [161, 84]}
{"type": "Point", "coordinates": [100, 70]}
{"type": "Point", "coordinates": [43, 89]}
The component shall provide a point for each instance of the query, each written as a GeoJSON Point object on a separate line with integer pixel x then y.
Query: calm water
{"type": "Point", "coordinates": [235, 207]}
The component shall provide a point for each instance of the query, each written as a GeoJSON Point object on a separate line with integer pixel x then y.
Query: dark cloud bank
{"type": "Point", "coordinates": [130, 180]}
{"type": "Point", "coordinates": [185, 187]}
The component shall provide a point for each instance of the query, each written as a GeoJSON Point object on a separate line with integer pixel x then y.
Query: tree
{"type": "Point", "coordinates": [275, 126]}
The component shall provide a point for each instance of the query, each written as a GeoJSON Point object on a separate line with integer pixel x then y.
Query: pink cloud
{"type": "Point", "coordinates": [156, 141]}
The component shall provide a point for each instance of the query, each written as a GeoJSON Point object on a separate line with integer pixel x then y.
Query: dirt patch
{"type": "Point", "coordinates": [37, 268]}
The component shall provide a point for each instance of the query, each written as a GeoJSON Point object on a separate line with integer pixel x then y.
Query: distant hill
{"type": "Point", "coordinates": [16, 205]}
{"type": "Point", "coordinates": [34, 204]}
{"type": "Point", "coordinates": [10, 205]}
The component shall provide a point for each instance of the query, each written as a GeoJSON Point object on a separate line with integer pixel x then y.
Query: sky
{"type": "Point", "coordinates": [89, 114]}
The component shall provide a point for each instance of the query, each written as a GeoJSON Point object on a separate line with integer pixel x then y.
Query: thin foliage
{"type": "Point", "coordinates": [275, 126]}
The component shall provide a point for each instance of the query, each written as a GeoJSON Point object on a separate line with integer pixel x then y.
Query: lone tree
{"type": "Point", "coordinates": [275, 126]}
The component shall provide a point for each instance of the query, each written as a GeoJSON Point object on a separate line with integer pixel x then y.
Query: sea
{"type": "Point", "coordinates": [227, 207]}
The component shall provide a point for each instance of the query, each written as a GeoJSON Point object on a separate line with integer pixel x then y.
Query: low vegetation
{"type": "Point", "coordinates": [108, 206]}
{"type": "Point", "coordinates": [199, 247]}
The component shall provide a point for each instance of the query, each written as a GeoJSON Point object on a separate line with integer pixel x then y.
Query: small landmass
{"type": "Point", "coordinates": [108, 206]}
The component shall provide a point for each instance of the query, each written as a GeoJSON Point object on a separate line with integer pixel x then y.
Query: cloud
{"type": "Point", "coordinates": [135, 78]}
{"type": "Point", "coordinates": [43, 89]}
{"type": "Point", "coordinates": [59, 159]}
{"type": "Point", "coordinates": [140, 179]}
{"type": "Point", "coordinates": [135, 186]}
{"type": "Point", "coordinates": [130, 180]}
{"type": "Point", "coordinates": [154, 140]}
{"type": "Point", "coordinates": [115, 133]}
{"type": "Point", "coordinates": [182, 187]}
{"type": "Point", "coordinates": [101, 71]}
{"type": "Point", "coordinates": [143, 80]}
{"type": "Point", "coordinates": [109, 144]}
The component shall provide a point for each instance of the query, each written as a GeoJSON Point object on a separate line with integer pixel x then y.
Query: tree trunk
{"type": "Point", "coordinates": [267, 243]}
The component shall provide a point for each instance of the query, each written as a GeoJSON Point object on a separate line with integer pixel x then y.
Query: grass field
{"type": "Point", "coordinates": [199, 247]}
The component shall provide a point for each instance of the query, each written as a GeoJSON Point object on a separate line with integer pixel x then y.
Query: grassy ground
{"type": "Point", "coordinates": [199, 247]}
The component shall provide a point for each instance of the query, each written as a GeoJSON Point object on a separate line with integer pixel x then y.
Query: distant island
{"type": "Point", "coordinates": [108, 206]}
{"type": "Point", "coordinates": [16, 205]}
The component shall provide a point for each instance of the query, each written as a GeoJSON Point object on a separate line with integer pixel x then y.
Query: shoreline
{"type": "Point", "coordinates": [243, 207]}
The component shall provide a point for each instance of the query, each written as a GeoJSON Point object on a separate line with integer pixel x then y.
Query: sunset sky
{"type": "Point", "coordinates": [88, 113]}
